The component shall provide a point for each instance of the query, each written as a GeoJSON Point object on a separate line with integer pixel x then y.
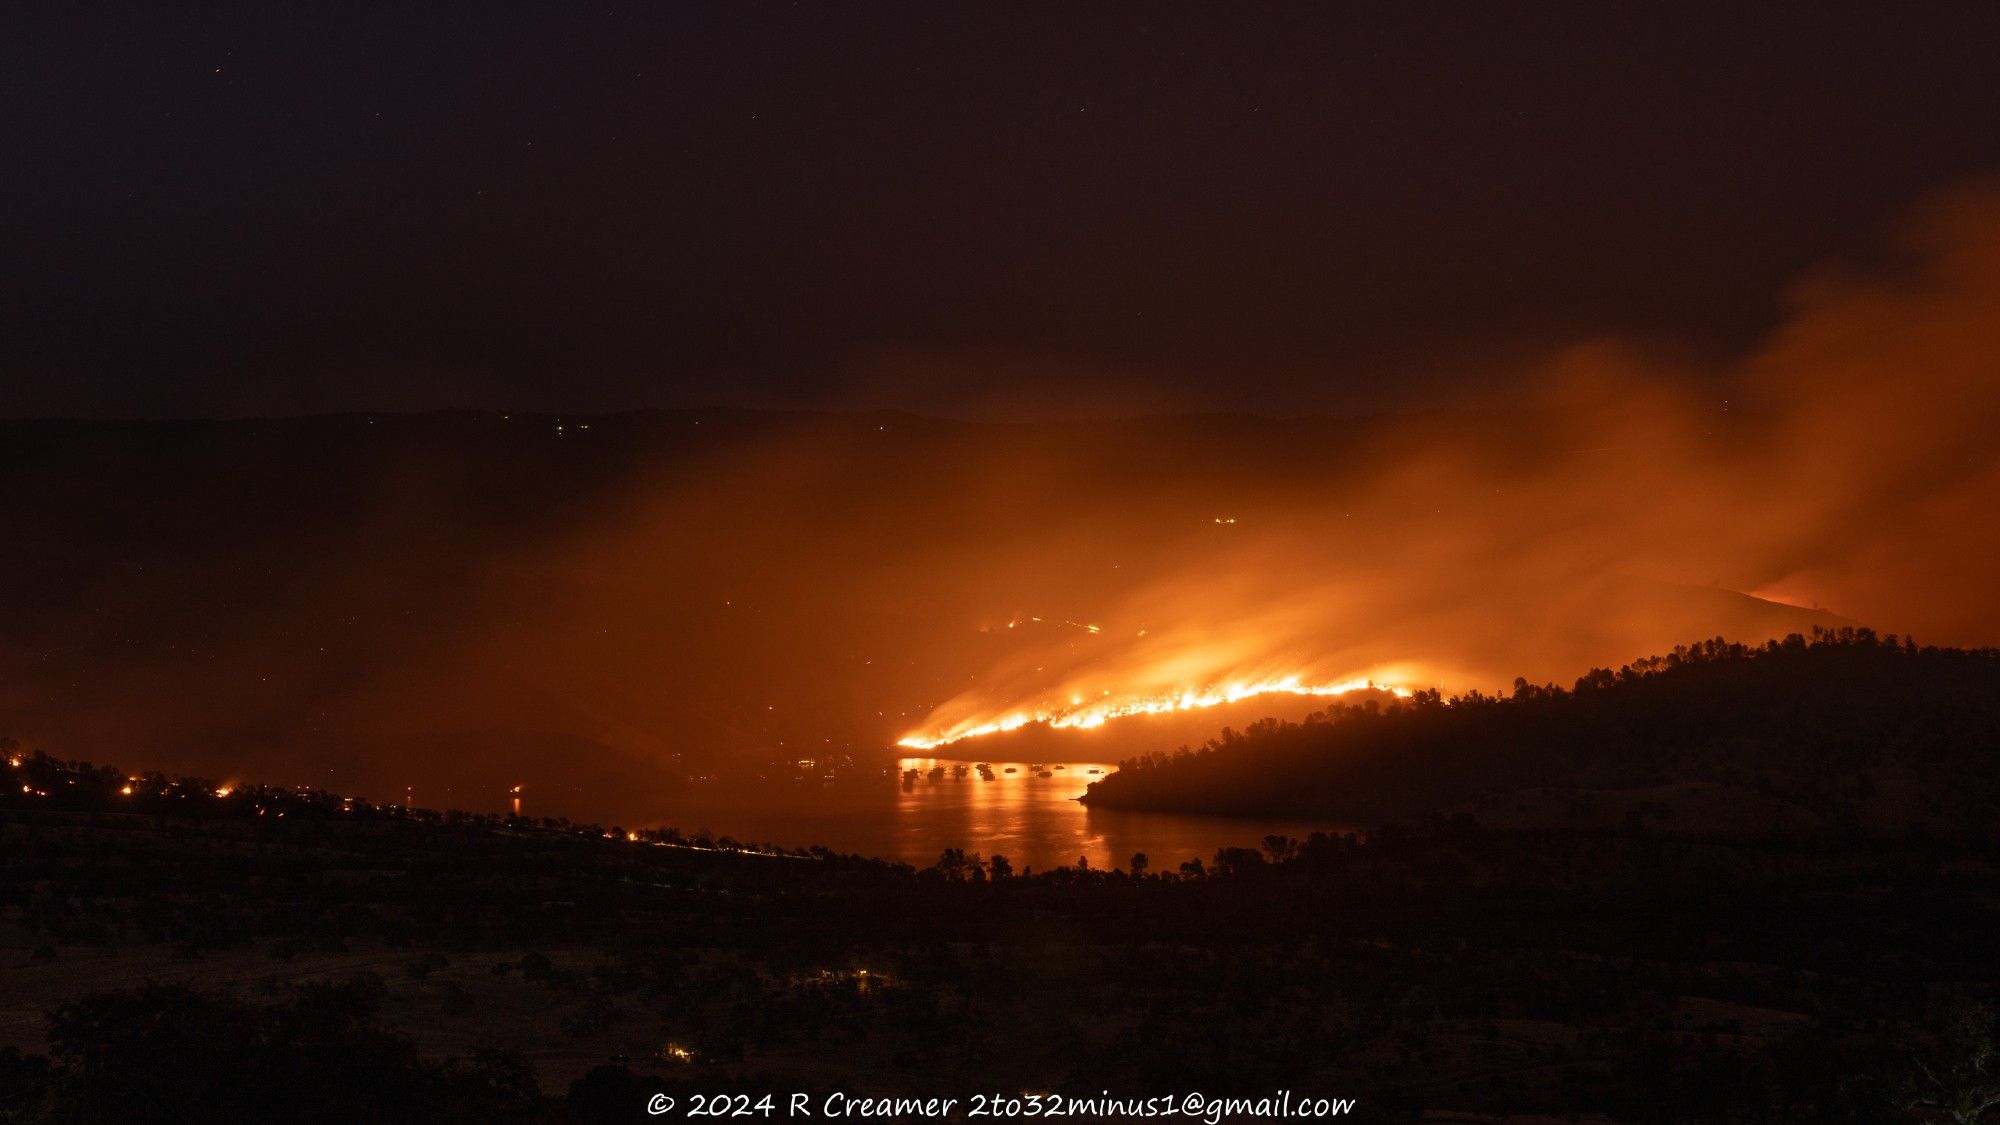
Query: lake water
{"type": "Point", "coordinates": [1032, 820]}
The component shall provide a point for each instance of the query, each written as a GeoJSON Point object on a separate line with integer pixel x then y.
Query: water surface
{"type": "Point", "coordinates": [1034, 821]}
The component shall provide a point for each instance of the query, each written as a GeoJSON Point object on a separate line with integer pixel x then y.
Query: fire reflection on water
{"type": "Point", "coordinates": [1023, 810]}
{"type": "Point", "coordinates": [1036, 821]}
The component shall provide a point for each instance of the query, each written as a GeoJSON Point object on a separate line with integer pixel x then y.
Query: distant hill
{"type": "Point", "coordinates": [604, 607]}
{"type": "Point", "coordinates": [1842, 728]}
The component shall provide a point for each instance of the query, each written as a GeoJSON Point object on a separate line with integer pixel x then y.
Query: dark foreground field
{"type": "Point", "coordinates": [174, 955]}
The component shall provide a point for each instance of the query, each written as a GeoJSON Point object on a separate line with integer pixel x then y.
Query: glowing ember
{"type": "Point", "coordinates": [1089, 716]}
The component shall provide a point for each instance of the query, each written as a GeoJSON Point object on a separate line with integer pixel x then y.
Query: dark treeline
{"type": "Point", "coordinates": [1841, 728]}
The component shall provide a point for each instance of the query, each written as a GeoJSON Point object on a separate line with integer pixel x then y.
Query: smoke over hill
{"type": "Point", "coordinates": [601, 606]}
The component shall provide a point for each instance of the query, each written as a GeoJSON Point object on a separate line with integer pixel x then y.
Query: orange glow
{"type": "Point", "coordinates": [1077, 715]}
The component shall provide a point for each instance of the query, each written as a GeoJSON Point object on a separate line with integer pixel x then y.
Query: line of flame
{"type": "Point", "coordinates": [1092, 715]}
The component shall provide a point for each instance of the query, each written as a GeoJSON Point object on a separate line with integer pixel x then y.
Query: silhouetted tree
{"type": "Point", "coordinates": [1959, 1073]}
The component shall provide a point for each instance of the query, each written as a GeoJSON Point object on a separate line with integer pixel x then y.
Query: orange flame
{"type": "Point", "coordinates": [1089, 716]}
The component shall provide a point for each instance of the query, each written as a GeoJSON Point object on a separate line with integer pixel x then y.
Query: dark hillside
{"type": "Point", "coordinates": [296, 955]}
{"type": "Point", "coordinates": [1842, 727]}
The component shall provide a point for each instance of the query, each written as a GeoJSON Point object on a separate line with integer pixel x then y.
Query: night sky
{"type": "Point", "coordinates": [1003, 209]}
